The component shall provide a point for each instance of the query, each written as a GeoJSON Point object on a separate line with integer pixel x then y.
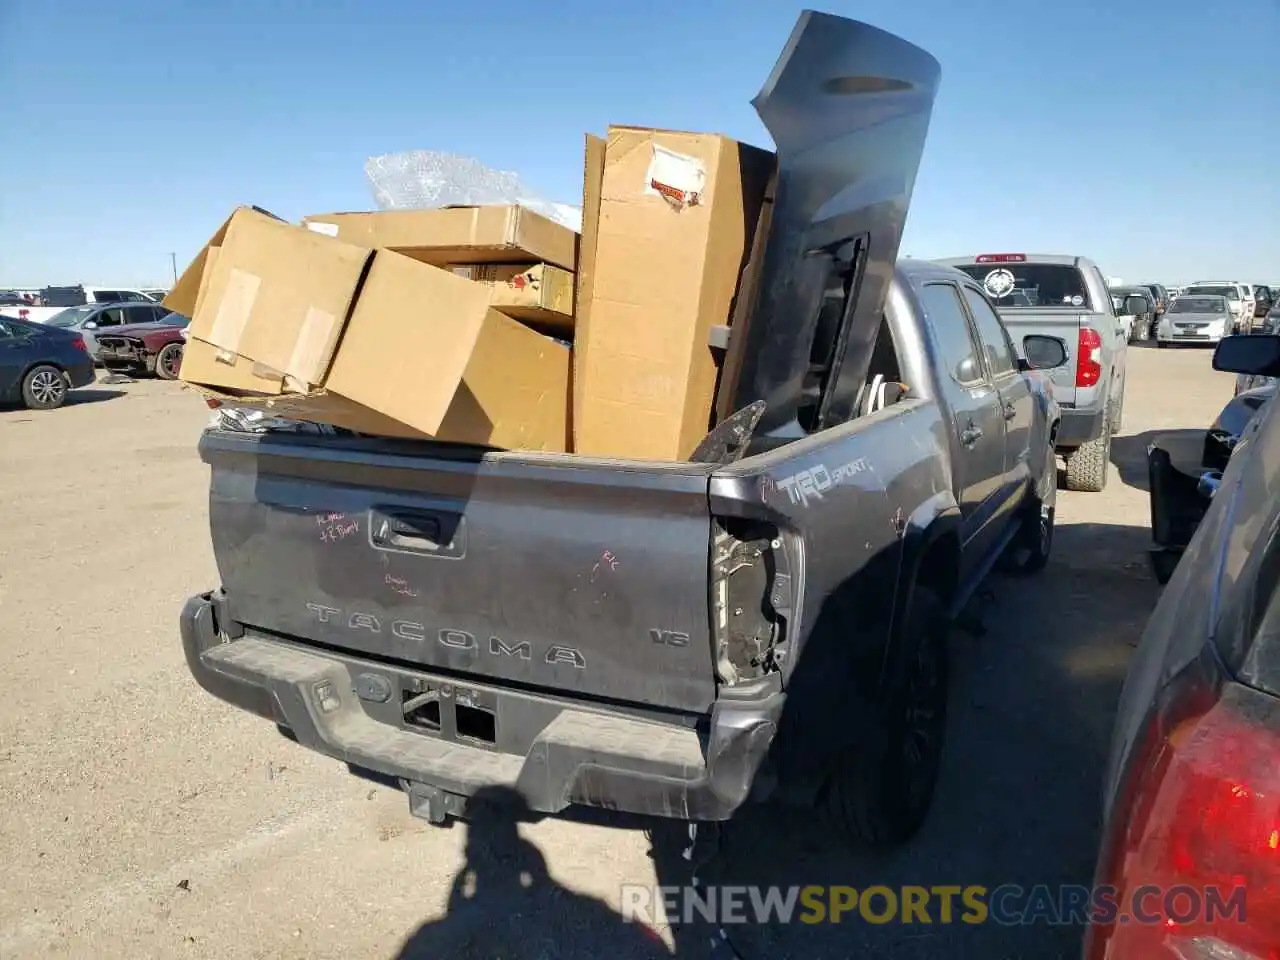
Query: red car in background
{"type": "Point", "coordinates": [145, 348]}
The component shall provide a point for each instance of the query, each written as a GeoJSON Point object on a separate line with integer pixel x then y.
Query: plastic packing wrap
{"type": "Point", "coordinates": [421, 179]}
{"type": "Point", "coordinates": [249, 420]}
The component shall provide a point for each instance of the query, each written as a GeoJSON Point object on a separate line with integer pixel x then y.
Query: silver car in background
{"type": "Point", "coordinates": [1239, 299]}
{"type": "Point", "coordinates": [1196, 318]}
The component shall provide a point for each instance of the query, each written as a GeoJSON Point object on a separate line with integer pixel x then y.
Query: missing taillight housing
{"type": "Point", "coordinates": [1088, 358]}
{"type": "Point", "coordinates": [1193, 849]}
{"type": "Point", "coordinates": [751, 599]}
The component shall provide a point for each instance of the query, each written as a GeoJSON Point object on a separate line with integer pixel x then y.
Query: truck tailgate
{"type": "Point", "coordinates": [583, 576]}
{"type": "Point", "coordinates": [1021, 322]}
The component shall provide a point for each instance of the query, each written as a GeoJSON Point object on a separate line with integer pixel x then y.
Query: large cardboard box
{"type": "Point", "coordinates": [274, 293]}
{"type": "Point", "coordinates": [457, 235]}
{"type": "Point", "coordinates": [672, 237]}
{"type": "Point", "coordinates": [417, 352]}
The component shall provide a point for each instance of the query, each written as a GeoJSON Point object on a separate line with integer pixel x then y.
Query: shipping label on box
{"type": "Point", "coordinates": [541, 294]}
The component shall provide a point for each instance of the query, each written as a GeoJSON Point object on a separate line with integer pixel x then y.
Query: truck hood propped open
{"type": "Point", "coordinates": [848, 107]}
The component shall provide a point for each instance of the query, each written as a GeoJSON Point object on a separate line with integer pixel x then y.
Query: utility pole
{"type": "Point", "coordinates": [173, 263]}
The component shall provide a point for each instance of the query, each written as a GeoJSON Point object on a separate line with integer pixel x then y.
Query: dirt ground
{"type": "Point", "coordinates": [142, 818]}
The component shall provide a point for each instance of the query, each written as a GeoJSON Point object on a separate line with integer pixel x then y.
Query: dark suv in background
{"type": "Point", "coordinates": [1264, 299]}
{"type": "Point", "coordinates": [1160, 293]}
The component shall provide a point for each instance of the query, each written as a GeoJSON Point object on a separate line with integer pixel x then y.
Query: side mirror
{"type": "Point", "coordinates": [91, 325]}
{"type": "Point", "coordinates": [968, 370]}
{"type": "Point", "coordinates": [1135, 306]}
{"type": "Point", "coordinates": [1256, 354]}
{"type": "Point", "coordinates": [1043, 352]}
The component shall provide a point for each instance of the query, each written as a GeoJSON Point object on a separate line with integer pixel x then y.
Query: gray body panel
{"type": "Point", "coordinates": [562, 583]}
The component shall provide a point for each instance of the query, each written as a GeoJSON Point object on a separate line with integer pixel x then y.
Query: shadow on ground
{"type": "Point", "coordinates": [75, 398]}
{"type": "Point", "coordinates": [1129, 454]}
{"type": "Point", "coordinates": [1032, 702]}
{"type": "Point", "coordinates": [89, 395]}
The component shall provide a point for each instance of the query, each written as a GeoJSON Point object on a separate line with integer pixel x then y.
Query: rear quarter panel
{"type": "Point", "coordinates": [845, 501]}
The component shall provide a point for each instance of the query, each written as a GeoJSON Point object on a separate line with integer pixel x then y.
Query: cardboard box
{"type": "Point", "coordinates": [673, 234]}
{"type": "Point", "coordinates": [277, 294]}
{"type": "Point", "coordinates": [419, 352]}
{"type": "Point", "coordinates": [453, 235]}
{"type": "Point", "coordinates": [592, 183]}
{"type": "Point", "coordinates": [540, 294]}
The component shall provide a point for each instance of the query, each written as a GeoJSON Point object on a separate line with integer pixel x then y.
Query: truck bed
{"type": "Point", "coordinates": [564, 573]}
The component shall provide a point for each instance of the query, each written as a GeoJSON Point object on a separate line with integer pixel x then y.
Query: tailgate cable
{"type": "Point", "coordinates": [722, 947]}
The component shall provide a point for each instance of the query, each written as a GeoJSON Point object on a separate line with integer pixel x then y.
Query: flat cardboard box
{"type": "Point", "coordinates": [674, 232]}
{"type": "Point", "coordinates": [457, 235]}
{"type": "Point", "coordinates": [541, 294]}
{"type": "Point", "coordinates": [592, 183]}
{"type": "Point", "coordinates": [420, 353]}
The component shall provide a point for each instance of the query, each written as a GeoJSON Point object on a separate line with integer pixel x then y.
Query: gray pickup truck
{"type": "Point", "coordinates": [1066, 296]}
{"type": "Point", "coordinates": [673, 638]}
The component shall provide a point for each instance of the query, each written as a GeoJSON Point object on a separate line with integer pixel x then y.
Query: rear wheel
{"type": "Point", "coordinates": [1087, 465]}
{"type": "Point", "coordinates": [44, 388]}
{"type": "Point", "coordinates": [168, 361]}
{"type": "Point", "coordinates": [880, 791]}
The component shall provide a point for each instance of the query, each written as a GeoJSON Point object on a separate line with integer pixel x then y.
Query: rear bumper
{"type": "Point", "coordinates": [1079, 426]}
{"type": "Point", "coordinates": [573, 754]}
{"type": "Point", "coordinates": [81, 375]}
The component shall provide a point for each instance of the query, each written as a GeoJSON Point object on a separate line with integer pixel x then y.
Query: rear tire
{"type": "Point", "coordinates": [1087, 465]}
{"type": "Point", "coordinates": [44, 388]}
{"type": "Point", "coordinates": [879, 792]}
{"type": "Point", "coordinates": [169, 361]}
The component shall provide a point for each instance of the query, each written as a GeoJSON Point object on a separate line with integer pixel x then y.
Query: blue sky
{"type": "Point", "coordinates": [1144, 134]}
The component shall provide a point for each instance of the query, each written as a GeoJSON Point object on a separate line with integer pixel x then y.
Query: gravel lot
{"type": "Point", "coordinates": [145, 819]}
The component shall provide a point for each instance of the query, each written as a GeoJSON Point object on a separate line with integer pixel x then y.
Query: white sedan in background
{"type": "Point", "coordinates": [1196, 318]}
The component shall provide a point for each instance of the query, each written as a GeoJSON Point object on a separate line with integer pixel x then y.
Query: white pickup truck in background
{"type": "Point", "coordinates": [53, 300]}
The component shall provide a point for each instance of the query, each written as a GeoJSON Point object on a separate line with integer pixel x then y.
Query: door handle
{"type": "Point", "coordinates": [971, 434]}
{"type": "Point", "coordinates": [1010, 411]}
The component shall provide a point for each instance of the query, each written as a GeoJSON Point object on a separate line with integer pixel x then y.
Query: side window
{"type": "Point", "coordinates": [111, 317]}
{"type": "Point", "coordinates": [106, 296]}
{"type": "Point", "coordinates": [951, 329]}
{"type": "Point", "coordinates": [995, 339]}
{"type": "Point", "coordinates": [132, 296]}
{"type": "Point", "coordinates": [5, 332]}
{"type": "Point", "coordinates": [140, 314]}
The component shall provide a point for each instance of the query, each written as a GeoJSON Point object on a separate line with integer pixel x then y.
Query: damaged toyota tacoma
{"type": "Point", "coordinates": [674, 639]}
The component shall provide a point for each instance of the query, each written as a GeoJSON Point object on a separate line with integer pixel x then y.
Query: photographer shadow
{"type": "Point", "coordinates": [504, 904]}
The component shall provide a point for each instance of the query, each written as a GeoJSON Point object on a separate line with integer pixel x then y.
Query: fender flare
{"type": "Point", "coordinates": [937, 518]}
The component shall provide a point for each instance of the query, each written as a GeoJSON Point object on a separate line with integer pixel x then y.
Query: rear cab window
{"type": "Point", "coordinates": [1230, 291]}
{"type": "Point", "coordinates": [1013, 284]}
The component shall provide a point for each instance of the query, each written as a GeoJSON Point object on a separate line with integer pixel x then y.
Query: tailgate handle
{"type": "Point", "coordinates": [417, 531]}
